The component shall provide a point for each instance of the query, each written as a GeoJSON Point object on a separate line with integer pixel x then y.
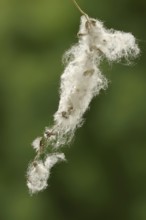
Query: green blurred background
{"type": "Point", "coordinates": [105, 176]}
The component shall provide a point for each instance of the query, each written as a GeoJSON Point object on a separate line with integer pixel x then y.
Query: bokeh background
{"type": "Point", "coordinates": [105, 176]}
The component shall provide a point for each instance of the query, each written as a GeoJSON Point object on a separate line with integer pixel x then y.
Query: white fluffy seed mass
{"type": "Point", "coordinates": [82, 78]}
{"type": "Point", "coordinates": [36, 143]}
{"type": "Point", "coordinates": [37, 177]}
{"type": "Point", "coordinates": [80, 82]}
{"type": "Point", "coordinates": [39, 172]}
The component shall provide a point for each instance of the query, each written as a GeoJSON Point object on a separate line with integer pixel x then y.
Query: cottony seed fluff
{"type": "Point", "coordinates": [80, 82]}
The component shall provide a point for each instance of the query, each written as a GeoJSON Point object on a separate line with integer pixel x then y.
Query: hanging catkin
{"type": "Point", "coordinates": [80, 82]}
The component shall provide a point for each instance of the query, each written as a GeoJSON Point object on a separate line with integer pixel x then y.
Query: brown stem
{"type": "Point", "coordinates": [80, 10]}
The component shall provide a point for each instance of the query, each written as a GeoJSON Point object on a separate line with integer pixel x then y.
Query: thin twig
{"type": "Point", "coordinates": [80, 10]}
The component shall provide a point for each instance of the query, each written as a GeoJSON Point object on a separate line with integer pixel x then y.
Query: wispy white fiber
{"type": "Point", "coordinates": [52, 159]}
{"type": "Point", "coordinates": [36, 143]}
{"type": "Point", "coordinates": [81, 80]}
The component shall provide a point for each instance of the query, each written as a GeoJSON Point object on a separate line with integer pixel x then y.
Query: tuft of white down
{"type": "Point", "coordinates": [39, 172]}
{"type": "Point", "coordinates": [36, 143]}
{"type": "Point", "coordinates": [37, 177]}
{"type": "Point", "coordinates": [82, 78]}
{"type": "Point", "coordinates": [80, 82]}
